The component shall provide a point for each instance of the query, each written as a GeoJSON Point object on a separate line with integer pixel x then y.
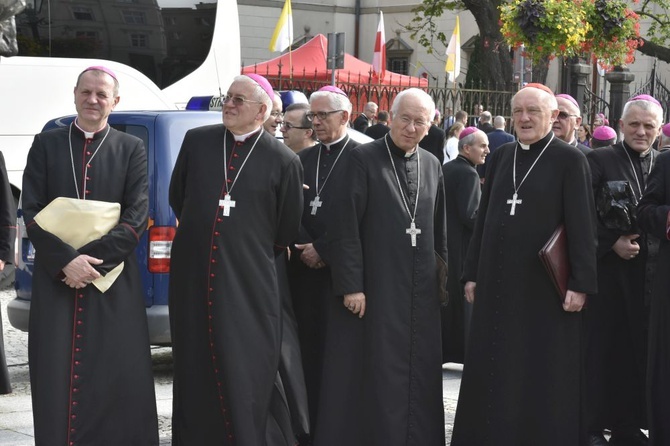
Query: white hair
{"type": "Point", "coordinates": [258, 94]}
{"type": "Point", "coordinates": [336, 100]}
{"type": "Point", "coordinates": [421, 95]}
{"type": "Point", "coordinates": [644, 105]}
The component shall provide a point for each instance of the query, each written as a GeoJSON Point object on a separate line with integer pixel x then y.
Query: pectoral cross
{"type": "Point", "coordinates": [316, 203]}
{"type": "Point", "coordinates": [413, 231]}
{"type": "Point", "coordinates": [514, 201]}
{"type": "Point", "coordinates": [226, 204]}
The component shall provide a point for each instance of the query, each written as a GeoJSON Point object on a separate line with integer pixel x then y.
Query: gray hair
{"type": "Point", "coordinates": [336, 100]}
{"type": "Point", "coordinates": [258, 94]}
{"type": "Point", "coordinates": [468, 140]}
{"type": "Point", "coordinates": [485, 116]}
{"type": "Point", "coordinates": [499, 122]}
{"type": "Point", "coordinates": [644, 105]}
{"type": "Point", "coordinates": [421, 95]}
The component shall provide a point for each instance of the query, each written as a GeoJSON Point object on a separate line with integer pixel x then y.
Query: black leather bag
{"type": "Point", "coordinates": [616, 205]}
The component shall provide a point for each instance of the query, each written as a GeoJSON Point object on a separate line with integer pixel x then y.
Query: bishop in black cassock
{"type": "Point", "coordinates": [462, 191]}
{"type": "Point", "coordinates": [237, 193]}
{"type": "Point", "coordinates": [382, 375]}
{"type": "Point", "coordinates": [522, 384]}
{"type": "Point", "coordinates": [617, 317]}
{"type": "Point", "coordinates": [309, 267]}
{"type": "Point", "coordinates": [90, 364]}
{"type": "Point", "coordinates": [653, 217]}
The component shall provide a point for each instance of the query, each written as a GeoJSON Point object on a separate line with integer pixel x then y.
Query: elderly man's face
{"type": "Point", "coordinates": [94, 99]}
{"type": "Point", "coordinates": [640, 128]}
{"type": "Point", "coordinates": [478, 150]}
{"type": "Point", "coordinates": [532, 114]}
{"type": "Point", "coordinates": [333, 126]}
{"type": "Point", "coordinates": [568, 120]}
{"type": "Point", "coordinates": [243, 118]}
{"type": "Point", "coordinates": [275, 119]}
{"type": "Point", "coordinates": [410, 123]}
{"type": "Point", "coordinates": [371, 111]}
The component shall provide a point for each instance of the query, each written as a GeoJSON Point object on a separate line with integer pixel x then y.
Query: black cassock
{"type": "Point", "coordinates": [462, 191]}
{"type": "Point", "coordinates": [522, 378]}
{"type": "Point", "coordinates": [7, 234]}
{"type": "Point", "coordinates": [617, 317]}
{"type": "Point", "coordinates": [311, 289]}
{"type": "Point", "coordinates": [382, 381]}
{"type": "Point", "coordinates": [90, 364]}
{"type": "Point", "coordinates": [225, 306]}
{"type": "Point", "coordinates": [653, 219]}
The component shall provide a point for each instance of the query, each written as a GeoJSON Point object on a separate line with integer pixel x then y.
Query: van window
{"type": "Point", "coordinates": [165, 43]}
{"type": "Point", "coordinates": [139, 131]}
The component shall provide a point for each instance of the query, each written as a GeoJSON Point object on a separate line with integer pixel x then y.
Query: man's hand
{"type": "Point", "coordinates": [79, 272]}
{"type": "Point", "coordinates": [355, 303]}
{"type": "Point", "coordinates": [574, 301]}
{"type": "Point", "coordinates": [2, 265]}
{"type": "Point", "coordinates": [310, 256]}
{"type": "Point", "coordinates": [626, 247]}
{"type": "Point", "coordinates": [470, 291]}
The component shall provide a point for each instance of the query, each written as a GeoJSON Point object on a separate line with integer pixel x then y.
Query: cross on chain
{"type": "Point", "coordinates": [513, 201]}
{"type": "Point", "coordinates": [316, 203]}
{"type": "Point", "coordinates": [413, 231]}
{"type": "Point", "coordinates": [226, 204]}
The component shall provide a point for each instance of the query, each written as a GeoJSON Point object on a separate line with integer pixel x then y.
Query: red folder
{"type": "Point", "coordinates": [554, 257]}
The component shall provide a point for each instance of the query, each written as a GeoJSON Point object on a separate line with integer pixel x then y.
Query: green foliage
{"type": "Point", "coordinates": [423, 28]}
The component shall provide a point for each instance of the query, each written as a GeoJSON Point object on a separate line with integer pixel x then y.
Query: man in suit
{"type": "Point", "coordinates": [365, 119]}
{"type": "Point", "coordinates": [434, 141]}
{"type": "Point", "coordinates": [381, 128]}
{"type": "Point", "coordinates": [569, 120]}
{"type": "Point", "coordinates": [485, 122]}
{"type": "Point", "coordinates": [497, 138]}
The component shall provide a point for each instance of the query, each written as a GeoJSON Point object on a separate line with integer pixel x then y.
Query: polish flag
{"type": "Point", "coordinates": [379, 58]}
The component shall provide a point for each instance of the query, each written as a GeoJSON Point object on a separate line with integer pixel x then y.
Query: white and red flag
{"type": "Point", "coordinates": [379, 58]}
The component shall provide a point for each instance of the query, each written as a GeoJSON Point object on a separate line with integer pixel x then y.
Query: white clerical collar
{"type": "Point", "coordinates": [573, 142]}
{"type": "Point", "coordinates": [410, 153]}
{"type": "Point", "coordinates": [88, 135]}
{"type": "Point", "coordinates": [330, 144]}
{"type": "Point", "coordinates": [241, 138]}
{"type": "Point", "coordinates": [524, 146]}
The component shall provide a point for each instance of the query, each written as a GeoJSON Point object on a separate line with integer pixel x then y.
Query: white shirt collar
{"type": "Point", "coordinates": [330, 144]}
{"type": "Point", "coordinates": [240, 138]}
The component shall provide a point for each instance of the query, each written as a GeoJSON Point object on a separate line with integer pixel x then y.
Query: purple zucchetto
{"type": "Point", "coordinates": [666, 130]}
{"type": "Point", "coordinates": [101, 68]}
{"type": "Point", "coordinates": [467, 131]}
{"type": "Point", "coordinates": [645, 97]}
{"type": "Point", "coordinates": [604, 133]}
{"type": "Point", "coordinates": [569, 98]}
{"type": "Point", "coordinates": [263, 83]}
{"type": "Point", "coordinates": [332, 89]}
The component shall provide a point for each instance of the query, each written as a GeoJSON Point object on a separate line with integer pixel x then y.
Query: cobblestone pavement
{"type": "Point", "coordinates": [16, 424]}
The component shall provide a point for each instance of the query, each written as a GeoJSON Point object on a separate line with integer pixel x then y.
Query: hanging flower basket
{"type": "Point", "coordinates": [607, 29]}
{"type": "Point", "coordinates": [614, 33]}
{"type": "Point", "coordinates": [546, 28]}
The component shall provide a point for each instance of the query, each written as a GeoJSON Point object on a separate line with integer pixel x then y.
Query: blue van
{"type": "Point", "coordinates": [162, 133]}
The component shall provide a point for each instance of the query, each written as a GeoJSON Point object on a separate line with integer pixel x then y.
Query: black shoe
{"type": "Point", "coordinates": [597, 439]}
{"type": "Point", "coordinates": [629, 438]}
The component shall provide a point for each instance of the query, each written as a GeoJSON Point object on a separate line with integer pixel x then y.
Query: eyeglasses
{"type": "Point", "coordinates": [563, 116]}
{"type": "Point", "coordinates": [276, 114]}
{"type": "Point", "coordinates": [289, 126]}
{"type": "Point", "coordinates": [405, 121]}
{"type": "Point", "coordinates": [238, 100]}
{"type": "Point", "coordinates": [321, 115]}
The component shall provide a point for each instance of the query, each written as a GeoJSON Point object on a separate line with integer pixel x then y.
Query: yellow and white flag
{"type": "Point", "coordinates": [453, 66]}
{"type": "Point", "coordinates": [282, 37]}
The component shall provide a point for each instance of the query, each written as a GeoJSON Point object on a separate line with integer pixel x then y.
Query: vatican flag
{"type": "Point", "coordinates": [453, 66]}
{"type": "Point", "coordinates": [282, 37]}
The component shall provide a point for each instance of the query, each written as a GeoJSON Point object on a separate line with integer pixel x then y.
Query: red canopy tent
{"type": "Point", "coordinates": [308, 62]}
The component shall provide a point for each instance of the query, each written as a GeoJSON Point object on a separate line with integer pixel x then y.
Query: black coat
{"type": "Point", "coordinates": [377, 131]}
{"type": "Point", "coordinates": [90, 364]}
{"type": "Point", "coordinates": [434, 142]}
{"type": "Point", "coordinates": [462, 192]}
{"type": "Point", "coordinates": [361, 123]}
{"type": "Point", "coordinates": [7, 234]}
{"type": "Point", "coordinates": [617, 317]}
{"type": "Point", "coordinates": [225, 306]}
{"type": "Point", "coordinates": [652, 214]}
{"type": "Point", "coordinates": [382, 380]}
{"type": "Point", "coordinates": [522, 383]}
{"type": "Point", "coordinates": [311, 289]}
